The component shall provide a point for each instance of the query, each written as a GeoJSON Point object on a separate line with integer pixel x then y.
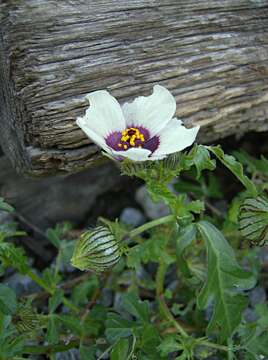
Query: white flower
{"type": "Point", "coordinates": [141, 130]}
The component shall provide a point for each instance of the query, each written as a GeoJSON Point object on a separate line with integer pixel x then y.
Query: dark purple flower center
{"type": "Point", "coordinates": [132, 137]}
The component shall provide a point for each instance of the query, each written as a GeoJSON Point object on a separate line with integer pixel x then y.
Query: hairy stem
{"type": "Point", "coordinates": [160, 276]}
{"type": "Point", "coordinates": [150, 225]}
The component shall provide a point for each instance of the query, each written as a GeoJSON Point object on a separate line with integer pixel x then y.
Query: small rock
{"type": "Point", "coordinates": [257, 296]}
{"type": "Point", "coordinates": [106, 298]}
{"type": "Point", "coordinates": [22, 285]}
{"type": "Point", "coordinates": [132, 216]}
{"type": "Point", "coordinates": [6, 217]}
{"type": "Point", "coordinates": [72, 354]}
{"type": "Point", "coordinates": [151, 209]}
{"type": "Point", "coordinates": [250, 315]}
{"type": "Point", "coordinates": [99, 353]}
{"type": "Point", "coordinates": [209, 311]}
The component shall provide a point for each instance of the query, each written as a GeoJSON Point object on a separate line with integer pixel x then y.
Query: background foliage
{"type": "Point", "coordinates": [181, 288]}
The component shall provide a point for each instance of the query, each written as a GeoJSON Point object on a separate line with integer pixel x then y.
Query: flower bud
{"type": "Point", "coordinates": [96, 250]}
{"type": "Point", "coordinates": [25, 319]}
{"type": "Point", "coordinates": [253, 220]}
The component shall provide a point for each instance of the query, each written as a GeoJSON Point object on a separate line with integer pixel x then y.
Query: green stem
{"type": "Point", "coordinates": [46, 349]}
{"type": "Point", "coordinates": [214, 346]}
{"type": "Point", "coordinates": [160, 276]}
{"type": "Point", "coordinates": [42, 284]}
{"type": "Point", "coordinates": [150, 225]}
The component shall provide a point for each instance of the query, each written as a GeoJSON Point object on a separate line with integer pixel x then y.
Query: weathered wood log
{"type": "Point", "coordinates": [212, 54]}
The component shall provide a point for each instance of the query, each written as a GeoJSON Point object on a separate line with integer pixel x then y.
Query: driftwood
{"type": "Point", "coordinates": [212, 54]}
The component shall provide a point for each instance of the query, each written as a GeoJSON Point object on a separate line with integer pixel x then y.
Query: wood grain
{"type": "Point", "coordinates": [212, 55]}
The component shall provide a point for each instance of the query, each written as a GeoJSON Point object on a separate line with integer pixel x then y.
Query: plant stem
{"type": "Point", "coordinates": [42, 284]}
{"type": "Point", "coordinates": [150, 225]}
{"type": "Point", "coordinates": [214, 346]}
{"type": "Point", "coordinates": [160, 276]}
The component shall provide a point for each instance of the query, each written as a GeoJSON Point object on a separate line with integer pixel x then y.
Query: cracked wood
{"type": "Point", "coordinates": [212, 55]}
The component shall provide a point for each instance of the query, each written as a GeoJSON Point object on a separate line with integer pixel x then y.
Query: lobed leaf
{"type": "Point", "coordinates": [225, 280]}
{"type": "Point", "coordinates": [235, 167]}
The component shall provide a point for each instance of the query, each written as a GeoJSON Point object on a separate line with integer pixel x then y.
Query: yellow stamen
{"type": "Point", "coordinates": [120, 145]}
{"type": "Point", "coordinates": [130, 135]}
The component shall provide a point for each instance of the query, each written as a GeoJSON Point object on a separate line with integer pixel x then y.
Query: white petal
{"type": "Point", "coordinates": [135, 154]}
{"type": "Point", "coordinates": [104, 114]}
{"type": "Point", "coordinates": [175, 137]}
{"type": "Point", "coordinates": [153, 112]}
{"type": "Point", "coordinates": [157, 157]}
{"type": "Point", "coordinates": [98, 140]}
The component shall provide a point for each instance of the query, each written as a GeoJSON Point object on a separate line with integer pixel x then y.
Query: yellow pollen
{"type": "Point", "coordinates": [120, 145]}
{"type": "Point", "coordinates": [130, 135]}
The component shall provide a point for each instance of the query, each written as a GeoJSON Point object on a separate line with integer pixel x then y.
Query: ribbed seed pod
{"type": "Point", "coordinates": [96, 250]}
{"type": "Point", "coordinates": [253, 220]}
{"type": "Point", "coordinates": [25, 319]}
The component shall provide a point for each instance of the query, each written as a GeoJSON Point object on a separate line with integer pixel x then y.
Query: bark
{"type": "Point", "coordinates": [212, 55]}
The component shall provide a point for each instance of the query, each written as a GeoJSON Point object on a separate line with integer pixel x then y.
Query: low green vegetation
{"type": "Point", "coordinates": [180, 286]}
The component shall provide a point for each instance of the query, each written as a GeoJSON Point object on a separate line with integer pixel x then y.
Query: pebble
{"type": "Point", "coordinates": [152, 210]}
{"type": "Point", "coordinates": [106, 298]}
{"type": "Point", "coordinates": [257, 296]}
{"type": "Point", "coordinates": [250, 315]}
{"type": "Point", "coordinates": [72, 354]}
{"type": "Point", "coordinates": [133, 217]}
{"type": "Point", "coordinates": [22, 284]}
{"type": "Point", "coordinates": [6, 217]}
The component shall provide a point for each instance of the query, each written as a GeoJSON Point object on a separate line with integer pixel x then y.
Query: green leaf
{"type": "Point", "coordinates": [53, 237]}
{"type": "Point", "coordinates": [13, 256]}
{"type": "Point", "coordinates": [120, 350]}
{"type": "Point", "coordinates": [83, 292]}
{"type": "Point", "coordinates": [254, 340]}
{"type": "Point", "coordinates": [117, 327]}
{"type": "Point", "coordinates": [235, 167]}
{"type": "Point", "coordinates": [196, 206]}
{"type": "Point", "coordinates": [185, 238]}
{"type": "Point", "coordinates": [50, 278]}
{"type": "Point", "coordinates": [169, 344]}
{"type": "Point", "coordinates": [8, 301]}
{"type": "Point", "coordinates": [55, 300]}
{"type": "Point", "coordinates": [252, 164]}
{"type": "Point", "coordinates": [52, 330]}
{"type": "Point", "coordinates": [71, 323]}
{"type": "Point", "coordinates": [149, 338]}
{"type": "Point", "coordinates": [224, 278]}
{"type": "Point", "coordinates": [160, 192]}
{"type": "Point", "coordinates": [136, 307]}
{"type": "Point", "coordinates": [201, 159]}
{"type": "Point", "coordinates": [87, 352]}
{"type": "Point", "coordinates": [93, 324]}
{"type": "Point", "coordinates": [152, 249]}
{"type": "Point", "coordinates": [4, 206]}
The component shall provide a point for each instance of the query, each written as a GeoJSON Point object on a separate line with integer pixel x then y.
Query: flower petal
{"type": "Point", "coordinates": [152, 112]}
{"type": "Point", "coordinates": [97, 139]}
{"type": "Point", "coordinates": [134, 154]}
{"type": "Point", "coordinates": [104, 114]}
{"type": "Point", "coordinates": [175, 137]}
